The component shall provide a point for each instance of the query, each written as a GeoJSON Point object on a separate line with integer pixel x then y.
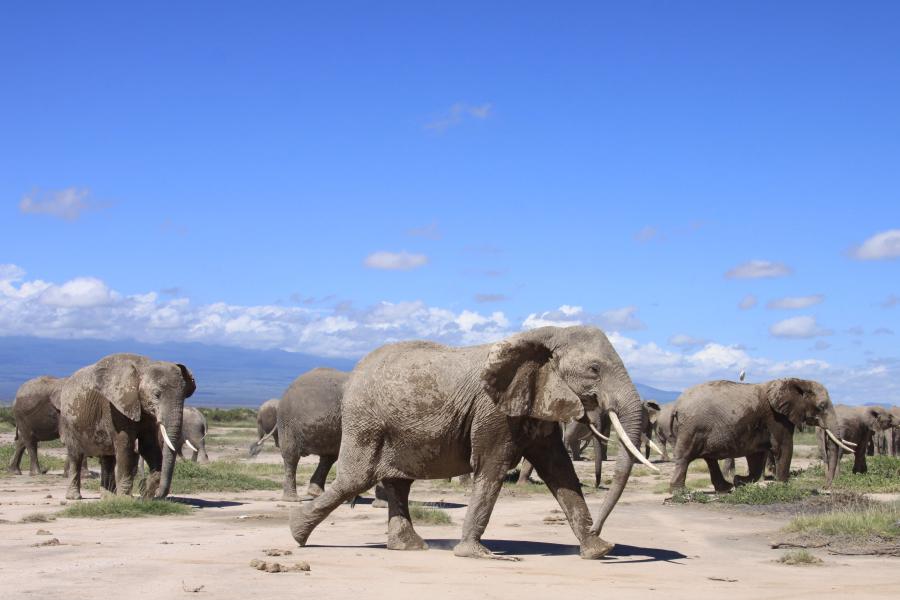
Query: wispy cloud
{"type": "Point", "coordinates": [458, 113]}
{"type": "Point", "coordinates": [488, 298]}
{"type": "Point", "coordinates": [891, 301]}
{"type": "Point", "coordinates": [683, 340]}
{"type": "Point", "coordinates": [804, 327]}
{"type": "Point", "coordinates": [646, 234]}
{"type": "Point", "coordinates": [881, 246]}
{"type": "Point", "coordinates": [67, 204]}
{"type": "Point", "coordinates": [795, 302]}
{"type": "Point", "coordinates": [395, 261]}
{"type": "Point", "coordinates": [617, 319]}
{"type": "Point", "coordinates": [429, 232]}
{"type": "Point", "coordinates": [747, 302]}
{"type": "Point", "coordinates": [759, 269]}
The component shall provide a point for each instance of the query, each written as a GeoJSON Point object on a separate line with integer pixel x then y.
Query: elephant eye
{"type": "Point", "coordinates": [594, 369]}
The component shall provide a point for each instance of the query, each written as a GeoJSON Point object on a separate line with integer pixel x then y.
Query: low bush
{"type": "Point", "coordinates": [120, 507]}
{"type": "Point", "coordinates": [428, 514]}
{"type": "Point", "coordinates": [799, 557]}
{"type": "Point", "coordinates": [232, 417]}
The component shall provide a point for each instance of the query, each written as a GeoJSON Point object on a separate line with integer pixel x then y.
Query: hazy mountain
{"type": "Point", "coordinates": [225, 376]}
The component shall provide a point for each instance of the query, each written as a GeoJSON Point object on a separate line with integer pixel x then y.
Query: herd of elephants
{"type": "Point", "coordinates": [420, 410]}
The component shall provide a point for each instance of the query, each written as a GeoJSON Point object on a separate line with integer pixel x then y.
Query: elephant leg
{"type": "Point", "coordinates": [317, 482]}
{"type": "Point", "coordinates": [679, 474]}
{"type": "Point", "coordinates": [555, 468]}
{"type": "Point", "coordinates": [305, 517]}
{"type": "Point", "coordinates": [194, 455]}
{"type": "Point", "coordinates": [204, 457]}
{"type": "Point", "coordinates": [598, 462]}
{"type": "Point", "coordinates": [15, 463]}
{"type": "Point", "coordinates": [34, 467]}
{"type": "Point", "coordinates": [275, 437]}
{"type": "Point", "coordinates": [74, 491]}
{"type": "Point", "coordinates": [485, 489]}
{"type": "Point", "coordinates": [715, 474]}
{"type": "Point", "coordinates": [401, 535]}
{"type": "Point", "coordinates": [125, 462]}
{"type": "Point", "coordinates": [150, 456]}
{"type": "Point", "coordinates": [859, 457]}
{"type": "Point", "coordinates": [727, 470]}
{"type": "Point", "coordinates": [781, 461]}
{"type": "Point", "coordinates": [289, 487]}
{"type": "Point", "coordinates": [756, 463]}
{"type": "Point", "coordinates": [525, 472]}
{"type": "Point", "coordinates": [108, 473]}
{"type": "Point", "coordinates": [381, 499]}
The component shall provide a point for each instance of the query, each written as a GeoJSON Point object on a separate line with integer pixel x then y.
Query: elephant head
{"type": "Point", "coordinates": [555, 374]}
{"type": "Point", "coordinates": [139, 388]}
{"type": "Point", "coordinates": [876, 418]}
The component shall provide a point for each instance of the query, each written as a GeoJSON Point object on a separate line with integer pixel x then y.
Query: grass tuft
{"type": "Point", "coordinates": [428, 514]}
{"type": "Point", "coordinates": [876, 521]}
{"type": "Point", "coordinates": [121, 507]}
{"type": "Point", "coordinates": [773, 493]}
{"type": "Point", "coordinates": [883, 475]}
{"type": "Point", "coordinates": [38, 518]}
{"type": "Point", "coordinates": [224, 476]}
{"type": "Point", "coordinates": [47, 461]}
{"type": "Point", "coordinates": [232, 417]}
{"type": "Point", "coordinates": [799, 557]}
{"type": "Point", "coordinates": [684, 496]}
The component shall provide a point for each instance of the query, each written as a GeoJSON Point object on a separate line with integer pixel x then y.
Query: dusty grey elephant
{"type": "Point", "coordinates": [726, 419]}
{"type": "Point", "coordinates": [119, 400]}
{"type": "Point", "coordinates": [887, 441]}
{"type": "Point", "coordinates": [420, 410]}
{"type": "Point", "coordinates": [856, 424]}
{"type": "Point", "coordinates": [37, 419]}
{"type": "Point", "coordinates": [309, 422]}
{"type": "Point", "coordinates": [193, 435]}
{"type": "Point", "coordinates": [266, 425]}
{"type": "Point", "coordinates": [664, 429]}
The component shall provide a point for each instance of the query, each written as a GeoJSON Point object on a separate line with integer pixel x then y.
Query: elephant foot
{"type": "Point", "coordinates": [12, 471]}
{"type": "Point", "coordinates": [740, 480]}
{"type": "Point", "coordinates": [313, 490]}
{"type": "Point", "coordinates": [474, 549]}
{"type": "Point", "coordinates": [301, 524]}
{"type": "Point", "coordinates": [723, 488]}
{"type": "Point", "coordinates": [402, 536]}
{"type": "Point", "coordinates": [379, 503]}
{"type": "Point", "coordinates": [73, 495]}
{"type": "Point", "coordinates": [594, 547]}
{"type": "Point", "coordinates": [288, 497]}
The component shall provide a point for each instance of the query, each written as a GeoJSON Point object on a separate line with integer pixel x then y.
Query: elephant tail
{"type": "Point", "coordinates": [17, 433]}
{"type": "Point", "coordinates": [256, 446]}
{"type": "Point", "coordinates": [673, 424]}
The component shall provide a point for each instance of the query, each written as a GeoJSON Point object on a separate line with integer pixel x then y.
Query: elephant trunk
{"type": "Point", "coordinates": [831, 432]}
{"type": "Point", "coordinates": [626, 404]}
{"type": "Point", "coordinates": [171, 427]}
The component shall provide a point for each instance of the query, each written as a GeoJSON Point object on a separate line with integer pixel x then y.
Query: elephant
{"type": "Point", "coordinates": [664, 429]}
{"type": "Point", "coordinates": [193, 434]}
{"type": "Point", "coordinates": [266, 425]}
{"type": "Point", "coordinates": [887, 441]}
{"type": "Point", "coordinates": [421, 410]}
{"type": "Point", "coordinates": [857, 424]}
{"type": "Point", "coordinates": [121, 399]}
{"type": "Point", "coordinates": [726, 419]}
{"type": "Point", "coordinates": [309, 422]}
{"type": "Point", "coordinates": [37, 419]}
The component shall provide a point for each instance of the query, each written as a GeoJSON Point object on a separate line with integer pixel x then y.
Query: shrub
{"type": "Point", "coordinates": [799, 557]}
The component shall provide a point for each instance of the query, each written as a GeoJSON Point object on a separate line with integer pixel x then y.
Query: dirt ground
{"type": "Point", "coordinates": [676, 551]}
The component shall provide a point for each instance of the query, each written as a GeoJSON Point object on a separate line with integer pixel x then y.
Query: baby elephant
{"type": "Point", "coordinates": [193, 435]}
{"type": "Point", "coordinates": [726, 419]}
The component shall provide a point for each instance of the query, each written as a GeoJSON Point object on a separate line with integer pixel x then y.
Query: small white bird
{"type": "Point", "coordinates": [742, 375]}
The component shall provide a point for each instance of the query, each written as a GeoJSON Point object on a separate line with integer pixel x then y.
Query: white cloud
{"type": "Point", "coordinates": [457, 114]}
{"type": "Point", "coordinates": [798, 328]}
{"type": "Point", "coordinates": [880, 246]}
{"type": "Point", "coordinates": [617, 319]}
{"type": "Point", "coordinates": [646, 234]}
{"type": "Point", "coordinates": [795, 302]}
{"type": "Point", "coordinates": [81, 292]}
{"type": "Point", "coordinates": [747, 302]}
{"type": "Point", "coordinates": [395, 261]}
{"type": "Point", "coordinates": [759, 269]}
{"type": "Point", "coordinates": [67, 204]}
{"type": "Point", "coordinates": [683, 340]}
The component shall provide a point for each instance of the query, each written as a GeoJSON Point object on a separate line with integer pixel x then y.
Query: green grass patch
{"type": "Point", "coordinates": [773, 493]}
{"type": "Point", "coordinates": [875, 521]}
{"type": "Point", "coordinates": [224, 476]}
{"type": "Point", "coordinates": [806, 438]}
{"type": "Point", "coordinates": [47, 461]}
{"type": "Point", "coordinates": [685, 496]}
{"type": "Point", "coordinates": [121, 507]}
{"type": "Point", "coordinates": [883, 475]}
{"type": "Point", "coordinates": [799, 557]}
{"type": "Point", "coordinates": [428, 514]}
{"type": "Point", "coordinates": [6, 416]}
{"type": "Point", "coordinates": [232, 417]}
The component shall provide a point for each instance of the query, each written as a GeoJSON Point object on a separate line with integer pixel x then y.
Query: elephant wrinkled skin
{"type": "Point", "coordinates": [419, 410]}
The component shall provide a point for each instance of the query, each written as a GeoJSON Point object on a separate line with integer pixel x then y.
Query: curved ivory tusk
{"type": "Point", "coordinates": [654, 447]}
{"type": "Point", "coordinates": [848, 442]}
{"type": "Point", "coordinates": [165, 435]}
{"type": "Point", "coordinates": [835, 439]}
{"type": "Point", "coordinates": [188, 443]}
{"type": "Point", "coordinates": [596, 432]}
{"type": "Point", "coordinates": [267, 436]}
{"type": "Point", "coordinates": [623, 439]}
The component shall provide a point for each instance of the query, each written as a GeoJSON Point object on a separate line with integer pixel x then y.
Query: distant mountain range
{"type": "Point", "coordinates": [226, 377]}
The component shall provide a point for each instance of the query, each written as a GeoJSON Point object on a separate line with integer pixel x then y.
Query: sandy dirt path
{"type": "Point", "coordinates": [662, 551]}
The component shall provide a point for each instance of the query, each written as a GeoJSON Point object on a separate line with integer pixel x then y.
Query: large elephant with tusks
{"type": "Point", "coordinates": [419, 410]}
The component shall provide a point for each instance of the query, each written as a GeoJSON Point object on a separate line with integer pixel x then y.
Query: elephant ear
{"type": "Point", "coordinates": [520, 377]}
{"type": "Point", "coordinates": [189, 383]}
{"type": "Point", "coordinates": [789, 397]}
{"type": "Point", "coordinates": [652, 411]}
{"type": "Point", "coordinates": [117, 382]}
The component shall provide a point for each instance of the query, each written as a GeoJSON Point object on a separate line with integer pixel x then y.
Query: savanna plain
{"type": "Point", "coordinates": [764, 541]}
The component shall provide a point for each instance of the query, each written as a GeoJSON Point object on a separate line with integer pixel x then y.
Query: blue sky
{"type": "Point", "coordinates": [230, 174]}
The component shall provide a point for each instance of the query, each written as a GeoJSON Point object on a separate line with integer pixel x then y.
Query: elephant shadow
{"type": "Point", "coordinates": [363, 500]}
{"type": "Point", "coordinates": [200, 503]}
{"type": "Point", "coordinates": [621, 554]}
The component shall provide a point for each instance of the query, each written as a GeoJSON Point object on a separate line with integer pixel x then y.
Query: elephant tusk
{"type": "Point", "coordinates": [835, 439]}
{"type": "Point", "coordinates": [596, 432]}
{"type": "Point", "coordinates": [188, 443]}
{"type": "Point", "coordinates": [653, 446]}
{"type": "Point", "coordinates": [165, 435]}
{"type": "Point", "coordinates": [848, 442]}
{"type": "Point", "coordinates": [623, 439]}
